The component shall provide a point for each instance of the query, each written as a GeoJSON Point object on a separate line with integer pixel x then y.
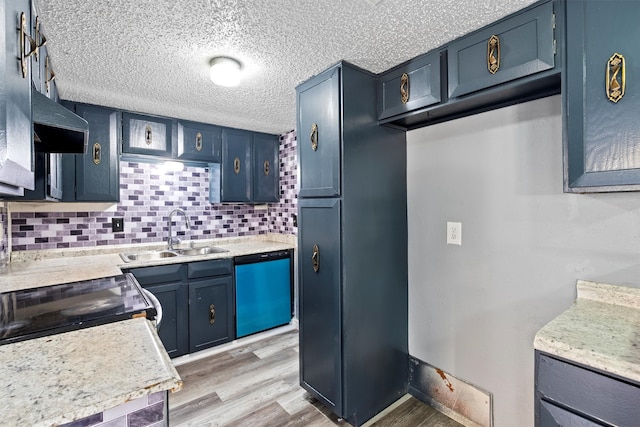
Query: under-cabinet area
{"type": "Point", "coordinates": [207, 303]}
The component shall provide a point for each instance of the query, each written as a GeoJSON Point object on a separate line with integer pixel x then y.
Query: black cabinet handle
{"type": "Point", "coordinates": [212, 314]}
{"type": "Point", "coordinates": [97, 153]}
{"type": "Point", "coordinates": [236, 165]}
{"type": "Point", "coordinates": [314, 137]}
{"type": "Point", "coordinates": [198, 141]}
{"type": "Point", "coordinates": [148, 136]}
{"type": "Point", "coordinates": [315, 258]}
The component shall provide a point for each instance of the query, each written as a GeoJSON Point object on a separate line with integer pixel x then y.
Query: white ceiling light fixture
{"type": "Point", "coordinates": [225, 71]}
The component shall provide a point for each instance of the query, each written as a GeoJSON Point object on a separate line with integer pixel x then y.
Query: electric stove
{"type": "Point", "coordinates": [37, 312]}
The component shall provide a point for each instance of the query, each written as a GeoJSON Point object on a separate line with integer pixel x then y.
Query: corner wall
{"type": "Point", "coordinates": [474, 309]}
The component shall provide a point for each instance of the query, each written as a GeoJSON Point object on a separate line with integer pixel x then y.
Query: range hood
{"type": "Point", "coordinates": [56, 129]}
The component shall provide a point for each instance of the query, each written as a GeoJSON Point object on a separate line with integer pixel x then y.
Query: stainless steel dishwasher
{"type": "Point", "coordinates": [264, 290]}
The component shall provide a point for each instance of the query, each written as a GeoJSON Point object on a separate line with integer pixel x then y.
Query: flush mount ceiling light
{"type": "Point", "coordinates": [225, 71]}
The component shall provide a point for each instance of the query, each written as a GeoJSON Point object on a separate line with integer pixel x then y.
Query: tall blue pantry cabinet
{"type": "Point", "coordinates": [351, 246]}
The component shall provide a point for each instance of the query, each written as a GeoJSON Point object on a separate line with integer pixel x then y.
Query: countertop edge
{"type": "Point", "coordinates": [600, 330]}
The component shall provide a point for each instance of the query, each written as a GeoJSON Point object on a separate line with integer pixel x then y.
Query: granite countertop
{"type": "Point", "coordinates": [31, 269]}
{"type": "Point", "coordinates": [65, 377]}
{"type": "Point", "coordinates": [601, 330]}
{"type": "Point", "coordinates": [61, 378]}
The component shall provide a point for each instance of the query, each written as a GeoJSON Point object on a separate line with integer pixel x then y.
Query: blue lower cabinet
{"type": "Point", "coordinates": [210, 312]}
{"type": "Point", "coordinates": [569, 394]}
{"type": "Point", "coordinates": [263, 296]}
{"type": "Point", "coordinates": [173, 298]}
{"type": "Point", "coordinates": [197, 302]}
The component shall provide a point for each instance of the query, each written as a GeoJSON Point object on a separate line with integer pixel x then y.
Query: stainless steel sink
{"type": "Point", "coordinates": [157, 255]}
{"type": "Point", "coordinates": [147, 255]}
{"type": "Point", "coordinates": [200, 251]}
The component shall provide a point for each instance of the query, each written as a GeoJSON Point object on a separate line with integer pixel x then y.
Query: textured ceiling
{"type": "Point", "coordinates": [152, 56]}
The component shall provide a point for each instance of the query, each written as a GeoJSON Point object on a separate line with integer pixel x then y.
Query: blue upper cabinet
{"type": "Point", "coordinates": [95, 175]}
{"type": "Point", "coordinates": [250, 170]}
{"type": "Point", "coordinates": [601, 96]}
{"type": "Point", "coordinates": [266, 168]}
{"type": "Point", "coordinates": [236, 166]}
{"type": "Point", "coordinates": [319, 118]}
{"type": "Point", "coordinates": [16, 130]}
{"type": "Point", "coordinates": [518, 46]}
{"type": "Point", "coordinates": [415, 84]}
{"type": "Point", "coordinates": [147, 135]}
{"type": "Point", "coordinates": [199, 142]}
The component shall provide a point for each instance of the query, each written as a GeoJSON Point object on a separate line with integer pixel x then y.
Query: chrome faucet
{"type": "Point", "coordinates": [171, 240]}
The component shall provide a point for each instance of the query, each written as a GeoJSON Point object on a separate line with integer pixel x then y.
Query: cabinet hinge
{"type": "Point", "coordinates": [553, 21]}
{"type": "Point", "coordinates": [554, 46]}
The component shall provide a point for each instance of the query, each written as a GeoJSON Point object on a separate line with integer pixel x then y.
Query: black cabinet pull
{"type": "Point", "coordinates": [315, 258]}
{"type": "Point", "coordinates": [314, 137]}
{"type": "Point", "coordinates": [212, 314]}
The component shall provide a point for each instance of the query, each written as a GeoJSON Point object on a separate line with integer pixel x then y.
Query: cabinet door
{"type": "Point", "coordinates": [199, 142]}
{"type": "Point", "coordinates": [173, 328]}
{"type": "Point", "coordinates": [146, 135]}
{"type": "Point", "coordinates": [210, 312]}
{"type": "Point", "coordinates": [319, 305]}
{"type": "Point", "coordinates": [508, 50]}
{"type": "Point", "coordinates": [414, 85]}
{"type": "Point", "coordinates": [16, 130]}
{"type": "Point", "coordinates": [236, 166]}
{"type": "Point", "coordinates": [319, 137]}
{"type": "Point", "coordinates": [600, 111]}
{"type": "Point", "coordinates": [47, 179]}
{"type": "Point", "coordinates": [97, 174]}
{"type": "Point", "coordinates": [266, 168]}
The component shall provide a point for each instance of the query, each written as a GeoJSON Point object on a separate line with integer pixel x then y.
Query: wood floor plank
{"type": "Point", "coordinates": [258, 385]}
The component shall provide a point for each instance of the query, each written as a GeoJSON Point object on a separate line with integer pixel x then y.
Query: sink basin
{"type": "Point", "coordinates": [156, 255]}
{"type": "Point", "coordinates": [148, 256]}
{"type": "Point", "coordinates": [200, 251]}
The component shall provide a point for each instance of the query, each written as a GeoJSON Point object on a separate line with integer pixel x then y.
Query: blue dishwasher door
{"type": "Point", "coordinates": [263, 296]}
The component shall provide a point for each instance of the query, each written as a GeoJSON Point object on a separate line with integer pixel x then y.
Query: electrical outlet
{"type": "Point", "coordinates": [117, 225]}
{"type": "Point", "coordinates": [454, 233]}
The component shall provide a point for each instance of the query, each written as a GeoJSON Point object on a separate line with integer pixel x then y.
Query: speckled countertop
{"type": "Point", "coordinates": [601, 330]}
{"type": "Point", "coordinates": [64, 377]}
{"type": "Point", "coordinates": [61, 378]}
{"type": "Point", "coordinates": [30, 269]}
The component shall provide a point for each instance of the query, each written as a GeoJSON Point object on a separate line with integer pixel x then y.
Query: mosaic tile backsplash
{"type": "Point", "coordinates": [147, 196]}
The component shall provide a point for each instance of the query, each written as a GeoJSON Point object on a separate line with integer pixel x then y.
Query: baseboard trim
{"type": "Point", "coordinates": [458, 399]}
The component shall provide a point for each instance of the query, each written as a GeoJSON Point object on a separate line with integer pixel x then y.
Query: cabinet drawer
{"type": "Point", "coordinates": [146, 135]}
{"type": "Point", "coordinates": [216, 267]}
{"type": "Point", "coordinates": [524, 46]}
{"type": "Point", "coordinates": [553, 416]}
{"type": "Point", "coordinates": [588, 392]}
{"type": "Point", "coordinates": [158, 274]}
{"type": "Point", "coordinates": [414, 85]}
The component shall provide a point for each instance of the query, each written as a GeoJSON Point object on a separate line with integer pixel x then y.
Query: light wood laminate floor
{"type": "Point", "coordinates": [257, 385]}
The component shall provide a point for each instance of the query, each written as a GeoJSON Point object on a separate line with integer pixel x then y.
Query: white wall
{"type": "Point", "coordinates": [474, 309]}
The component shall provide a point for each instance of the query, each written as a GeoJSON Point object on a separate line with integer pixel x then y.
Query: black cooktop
{"type": "Point", "coordinates": [37, 312]}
